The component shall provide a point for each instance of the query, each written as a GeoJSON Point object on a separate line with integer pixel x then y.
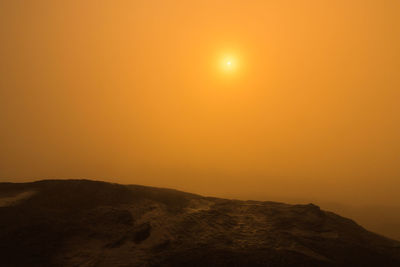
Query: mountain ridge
{"type": "Point", "coordinates": [94, 223]}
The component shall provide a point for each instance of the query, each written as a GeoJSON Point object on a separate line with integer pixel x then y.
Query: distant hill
{"type": "Point", "coordinates": [382, 219]}
{"type": "Point", "coordinates": [91, 223]}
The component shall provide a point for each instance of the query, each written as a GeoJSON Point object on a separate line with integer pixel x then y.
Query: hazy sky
{"type": "Point", "coordinates": [134, 92]}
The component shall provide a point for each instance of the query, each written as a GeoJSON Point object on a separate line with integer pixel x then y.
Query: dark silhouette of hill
{"type": "Point", "coordinates": [90, 223]}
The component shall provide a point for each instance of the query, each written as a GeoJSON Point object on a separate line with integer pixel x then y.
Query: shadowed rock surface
{"type": "Point", "coordinates": [90, 223]}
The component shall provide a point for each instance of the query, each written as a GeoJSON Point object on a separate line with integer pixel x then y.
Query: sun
{"type": "Point", "coordinates": [228, 63]}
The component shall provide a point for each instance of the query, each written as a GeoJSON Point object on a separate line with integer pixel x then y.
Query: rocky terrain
{"type": "Point", "coordinates": [90, 223]}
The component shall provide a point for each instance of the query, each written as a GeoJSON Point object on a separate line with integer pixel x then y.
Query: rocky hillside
{"type": "Point", "coordinates": [88, 223]}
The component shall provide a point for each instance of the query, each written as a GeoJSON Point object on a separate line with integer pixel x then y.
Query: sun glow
{"type": "Point", "coordinates": [228, 64]}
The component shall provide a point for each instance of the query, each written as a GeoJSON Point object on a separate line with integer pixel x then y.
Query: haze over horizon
{"type": "Point", "coordinates": [249, 99]}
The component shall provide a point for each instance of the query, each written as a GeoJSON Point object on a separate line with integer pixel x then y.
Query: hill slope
{"type": "Point", "coordinates": [88, 223]}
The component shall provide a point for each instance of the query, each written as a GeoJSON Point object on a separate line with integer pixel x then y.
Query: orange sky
{"type": "Point", "coordinates": [133, 92]}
